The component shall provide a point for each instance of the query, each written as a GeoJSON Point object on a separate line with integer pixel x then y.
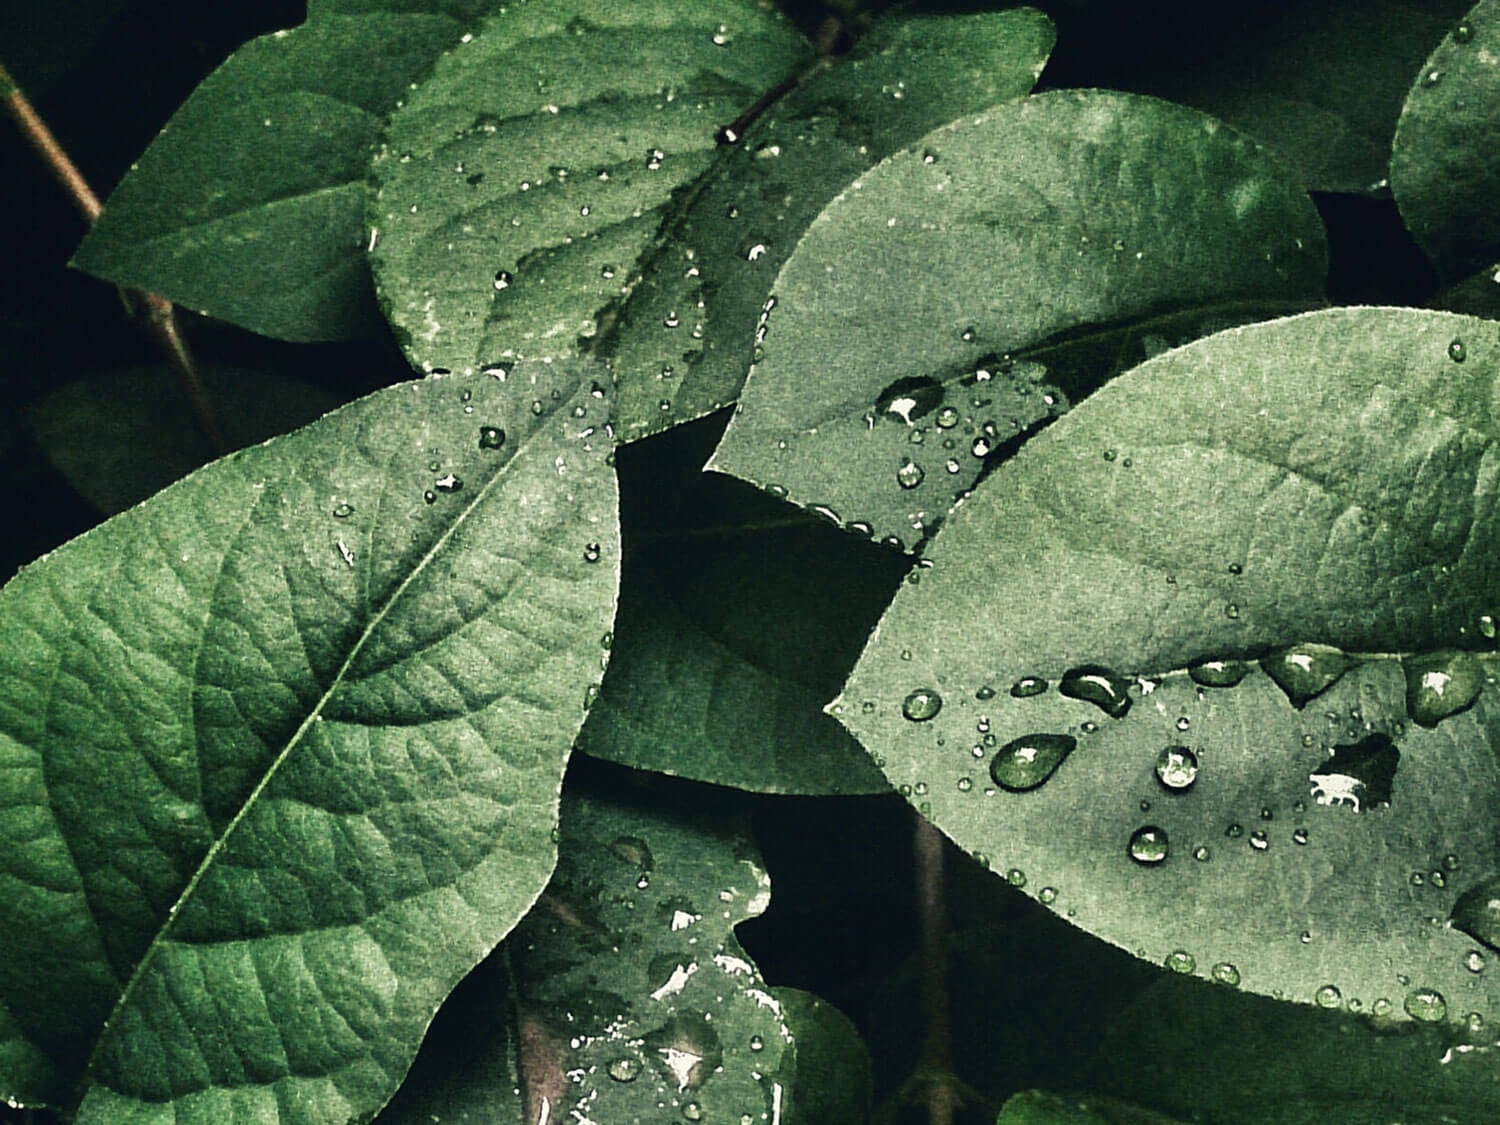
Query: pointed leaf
{"type": "Point", "coordinates": [896, 354]}
{"type": "Point", "coordinates": [524, 177]}
{"type": "Point", "coordinates": [1445, 171]}
{"type": "Point", "coordinates": [1325, 478]}
{"type": "Point", "coordinates": [283, 746]}
{"type": "Point", "coordinates": [260, 174]}
{"type": "Point", "coordinates": [686, 336]}
{"type": "Point", "coordinates": [833, 1068]}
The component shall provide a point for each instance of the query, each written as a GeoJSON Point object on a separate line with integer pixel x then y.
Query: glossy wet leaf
{"type": "Point", "coordinates": [260, 174]}
{"type": "Point", "coordinates": [903, 324]}
{"type": "Point", "coordinates": [119, 436]}
{"type": "Point", "coordinates": [1216, 1055]}
{"type": "Point", "coordinates": [904, 76]}
{"type": "Point", "coordinates": [739, 617]}
{"type": "Point", "coordinates": [635, 1000]}
{"type": "Point", "coordinates": [1445, 172]}
{"type": "Point", "coordinates": [833, 1067]}
{"type": "Point", "coordinates": [1249, 507]}
{"type": "Point", "coordinates": [283, 747]}
{"type": "Point", "coordinates": [524, 177]}
{"type": "Point", "coordinates": [1038, 1107]}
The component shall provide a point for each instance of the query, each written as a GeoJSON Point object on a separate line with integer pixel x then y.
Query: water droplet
{"type": "Point", "coordinates": [1047, 896]}
{"type": "Point", "coordinates": [1432, 78]}
{"type": "Point", "coordinates": [343, 511]}
{"type": "Point", "coordinates": [1148, 845]}
{"type": "Point", "coordinates": [910, 474]}
{"type": "Point", "coordinates": [966, 783]}
{"type": "Point", "coordinates": [491, 437]}
{"type": "Point", "coordinates": [1181, 961]}
{"type": "Point", "coordinates": [1225, 973]}
{"type": "Point", "coordinates": [1440, 684]}
{"type": "Point", "coordinates": [1093, 683]}
{"type": "Point", "coordinates": [922, 705]}
{"type": "Point", "coordinates": [1303, 671]}
{"type": "Point", "coordinates": [1357, 775]}
{"type": "Point", "coordinates": [1176, 768]}
{"type": "Point", "coordinates": [1457, 352]}
{"type": "Point", "coordinates": [692, 1111]}
{"type": "Point", "coordinates": [1219, 673]}
{"type": "Point", "coordinates": [1234, 831]}
{"type": "Point", "coordinates": [1016, 877]}
{"type": "Point", "coordinates": [1463, 32]}
{"type": "Point", "coordinates": [1024, 763]}
{"type": "Point", "coordinates": [1450, 862]}
{"type": "Point", "coordinates": [1328, 997]}
{"type": "Point", "coordinates": [1474, 961]}
{"type": "Point", "coordinates": [503, 278]}
{"type": "Point", "coordinates": [1477, 913]}
{"type": "Point", "coordinates": [985, 692]}
{"type": "Point", "coordinates": [1299, 836]}
{"type": "Point", "coordinates": [624, 1070]}
{"type": "Point", "coordinates": [449, 483]}
{"type": "Point", "coordinates": [1259, 840]}
{"type": "Point", "coordinates": [430, 496]}
{"type": "Point", "coordinates": [910, 398]}
{"type": "Point", "coordinates": [1027, 686]}
{"type": "Point", "coordinates": [591, 553]}
{"type": "Point", "coordinates": [1426, 1005]}
{"type": "Point", "coordinates": [1202, 854]}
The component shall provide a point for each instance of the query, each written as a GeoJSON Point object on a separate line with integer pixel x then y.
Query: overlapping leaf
{"type": "Point", "coordinates": [1445, 172]}
{"type": "Point", "coordinates": [525, 176]}
{"type": "Point", "coordinates": [1325, 479]}
{"type": "Point", "coordinates": [260, 174]}
{"type": "Point", "coordinates": [906, 343]}
{"type": "Point", "coordinates": [282, 749]}
{"type": "Point", "coordinates": [686, 336]}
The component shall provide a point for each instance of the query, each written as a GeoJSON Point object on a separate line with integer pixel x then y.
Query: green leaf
{"type": "Point", "coordinates": [833, 1068]}
{"type": "Point", "coordinates": [1035, 1107]}
{"type": "Point", "coordinates": [249, 205]}
{"type": "Point", "coordinates": [729, 687]}
{"type": "Point", "coordinates": [1325, 478]}
{"type": "Point", "coordinates": [1476, 295]}
{"type": "Point", "coordinates": [1226, 1058]}
{"type": "Point", "coordinates": [119, 436]}
{"type": "Point", "coordinates": [686, 336]}
{"type": "Point", "coordinates": [1445, 171]}
{"type": "Point", "coordinates": [637, 1004]}
{"type": "Point", "coordinates": [283, 746]}
{"type": "Point", "coordinates": [898, 354]}
{"type": "Point", "coordinates": [525, 176]}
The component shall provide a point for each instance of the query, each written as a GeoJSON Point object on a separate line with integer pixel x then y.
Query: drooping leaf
{"type": "Point", "coordinates": [1445, 170]}
{"type": "Point", "coordinates": [686, 336]}
{"type": "Point", "coordinates": [525, 176]}
{"type": "Point", "coordinates": [120, 436]}
{"type": "Point", "coordinates": [1045, 697]}
{"type": "Point", "coordinates": [1222, 1057]}
{"type": "Point", "coordinates": [833, 1068]}
{"type": "Point", "coordinates": [1037, 1107]}
{"type": "Point", "coordinates": [250, 204]}
{"type": "Point", "coordinates": [636, 1002]}
{"type": "Point", "coordinates": [898, 356]}
{"type": "Point", "coordinates": [739, 617]}
{"type": "Point", "coordinates": [283, 747]}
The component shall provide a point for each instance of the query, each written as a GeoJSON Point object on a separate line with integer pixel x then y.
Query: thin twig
{"type": "Point", "coordinates": [937, 1047]}
{"type": "Point", "coordinates": [152, 310]}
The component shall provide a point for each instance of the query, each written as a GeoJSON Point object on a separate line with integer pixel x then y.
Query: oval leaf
{"type": "Point", "coordinates": [895, 356]}
{"type": "Point", "coordinates": [521, 181]}
{"type": "Point", "coordinates": [686, 336]}
{"type": "Point", "coordinates": [283, 748]}
{"type": "Point", "coordinates": [1445, 170]}
{"type": "Point", "coordinates": [1326, 478]}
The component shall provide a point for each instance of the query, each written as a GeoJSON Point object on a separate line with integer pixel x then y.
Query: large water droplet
{"type": "Point", "coordinates": [1439, 684]}
{"type": "Point", "coordinates": [1027, 686]}
{"type": "Point", "coordinates": [1024, 763]}
{"type": "Point", "coordinates": [1457, 352]}
{"type": "Point", "coordinates": [1225, 973]}
{"type": "Point", "coordinates": [1177, 768]}
{"type": "Point", "coordinates": [910, 398]}
{"type": "Point", "coordinates": [1477, 913]}
{"type": "Point", "coordinates": [491, 437]}
{"type": "Point", "coordinates": [1181, 961]}
{"type": "Point", "coordinates": [1426, 1005]}
{"type": "Point", "coordinates": [922, 705]}
{"type": "Point", "coordinates": [1357, 775]}
{"type": "Point", "coordinates": [1328, 997]}
{"type": "Point", "coordinates": [1148, 845]}
{"type": "Point", "coordinates": [910, 474]}
{"type": "Point", "coordinates": [503, 278]}
{"type": "Point", "coordinates": [1219, 673]}
{"type": "Point", "coordinates": [1103, 687]}
{"type": "Point", "coordinates": [1303, 671]}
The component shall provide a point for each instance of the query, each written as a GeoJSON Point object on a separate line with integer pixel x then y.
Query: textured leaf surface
{"type": "Point", "coordinates": [637, 1004]}
{"type": "Point", "coordinates": [121, 435]}
{"type": "Point", "coordinates": [1327, 478]}
{"type": "Point", "coordinates": [260, 174]}
{"type": "Point", "coordinates": [527, 174]}
{"type": "Point", "coordinates": [283, 747]}
{"type": "Point", "coordinates": [1445, 169]}
{"type": "Point", "coordinates": [833, 1068]}
{"type": "Point", "coordinates": [896, 356]}
{"type": "Point", "coordinates": [739, 617]}
{"type": "Point", "coordinates": [1226, 1058]}
{"type": "Point", "coordinates": [1036, 1107]}
{"type": "Point", "coordinates": [686, 336]}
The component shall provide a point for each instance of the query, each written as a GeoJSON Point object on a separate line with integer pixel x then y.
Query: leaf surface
{"type": "Point", "coordinates": [1037, 1107]}
{"type": "Point", "coordinates": [686, 336]}
{"type": "Point", "coordinates": [896, 358]}
{"type": "Point", "coordinates": [1445, 170]}
{"type": "Point", "coordinates": [1327, 478]}
{"type": "Point", "coordinates": [833, 1068]}
{"type": "Point", "coordinates": [524, 177]}
{"type": "Point", "coordinates": [283, 747]}
{"type": "Point", "coordinates": [260, 174]}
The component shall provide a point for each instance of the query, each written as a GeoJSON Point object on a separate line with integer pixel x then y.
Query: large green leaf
{"type": "Point", "coordinates": [897, 358]}
{"type": "Point", "coordinates": [1325, 479]}
{"type": "Point", "coordinates": [250, 203]}
{"type": "Point", "coordinates": [523, 179]}
{"type": "Point", "coordinates": [282, 749]}
{"type": "Point", "coordinates": [833, 1068]}
{"type": "Point", "coordinates": [686, 336]}
{"type": "Point", "coordinates": [739, 617]}
{"type": "Point", "coordinates": [1445, 167]}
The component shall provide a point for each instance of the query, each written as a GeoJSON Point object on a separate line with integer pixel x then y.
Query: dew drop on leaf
{"type": "Point", "coordinates": [1148, 845]}
{"type": "Point", "coordinates": [1219, 673]}
{"type": "Point", "coordinates": [591, 553]}
{"type": "Point", "coordinates": [1259, 841]}
{"type": "Point", "coordinates": [503, 278]}
{"type": "Point", "coordinates": [1027, 686]}
{"type": "Point", "coordinates": [910, 474]}
{"type": "Point", "coordinates": [1457, 352]}
{"type": "Point", "coordinates": [491, 437]}
{"type": "Point", "coordinates": [1093, 683]}
{"type": "Point", "coordinates": [1328, 997]}
{"type": "Point", "coordinates": [1426, 1005]}
{"type": "Point", "coordinates": [1463, 32]}
{"type": "Point", "coordinates": [922, 705]}
{"type": "Point", "coordinates": [449, 483]}
{"type": "Point", "coordinates": [1181, 961]}
{"type": "Point", "coordinates": [1026, 762]}
{"type": "Point", "coordinates": [343, 511]}
{"type": "Point", "coordinates": [1303, 671]}
{"type": "Point", "coordinates": [624, 1069]}
{"type": "Point", "coordinates": [1440, 684]}
{"type": "Point", "coordinates": [1225, 973]}
{"type": "Point", "coordinates": [1016, 877]}
{"type": "Point", "coordinates": [1176, 768]}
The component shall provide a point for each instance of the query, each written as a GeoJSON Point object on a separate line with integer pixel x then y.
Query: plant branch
{"type": "Point", "coordinates": [152, 310]}
{"type": "Point", "coordinates": [937, 1047]}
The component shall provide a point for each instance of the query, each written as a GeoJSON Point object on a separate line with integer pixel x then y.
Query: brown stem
{"type": "Point", "coordinates": [937, 1048]}
{"type": "Point", "coordinates": [154, 311]}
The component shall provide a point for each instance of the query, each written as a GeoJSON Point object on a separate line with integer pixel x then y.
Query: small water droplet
{"type": "Point", "coordinates": [1225, 973]}
{"type": "Point", "coordinates": [1234, 831]}
{"type": "Point", "coordinates": [1440, 684]}
{"type": "Point", "coordinates": [1259, 840]}
{"type": "Point", "coordinates": [1027, 686]}
{"type": "Point", "coordinates": [1303, 671]}
{"type": "Point", "coordinates": [1177, 768]}
{"type": "Point", "coordinates": [1148, 845]}
{"type": "Point", "coordinates": [1016, 877]}
{"type": "Point", "coordinates": [1474, 961]}
{"type": "Point", "coordinates": [910, 474]}
{"type": "Point", "coordinates": [922, 705]}
{"type": "Point", "coordinates": [1328, 997]}
{"type": "Point", "coordinates": [1299, 835]}
{"type": "Point", "coordinates": [1047, 896]}
{"type": "Point", "coordinates": [624, 1069]}
{"type": "Point", "coordinates": [1103, 687]}
{"type": "Point", "coordinates": [1219, 673]}
{"type": "Point", "coordinates": [1432, 78]}
{"type": "Point", "coordinates": [692, 1111]}
{"type": "Point", "coordinates": [430, 496]}
{"type": "Point", "coordinates": [491, 437]}
{"type": "Point", "coordinates": [985, 692]}
{"type": "Point", "coordinates": [1026, 762]}
{"type": "Point", "coordinates": [1463, 32]}
{"type": "Point", "coordinates": [1202, 854]}
{"type": "Point", "coordinates": [503, 278]}
{"type": "Point", "coordinates": [1426, 1005]}
{"type": "Point", "coordinates": [449, 483]}
{"type": "Point", "coordinates": [1457, 352]}
{"type": "Point", "coordinates": [343, 511]}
